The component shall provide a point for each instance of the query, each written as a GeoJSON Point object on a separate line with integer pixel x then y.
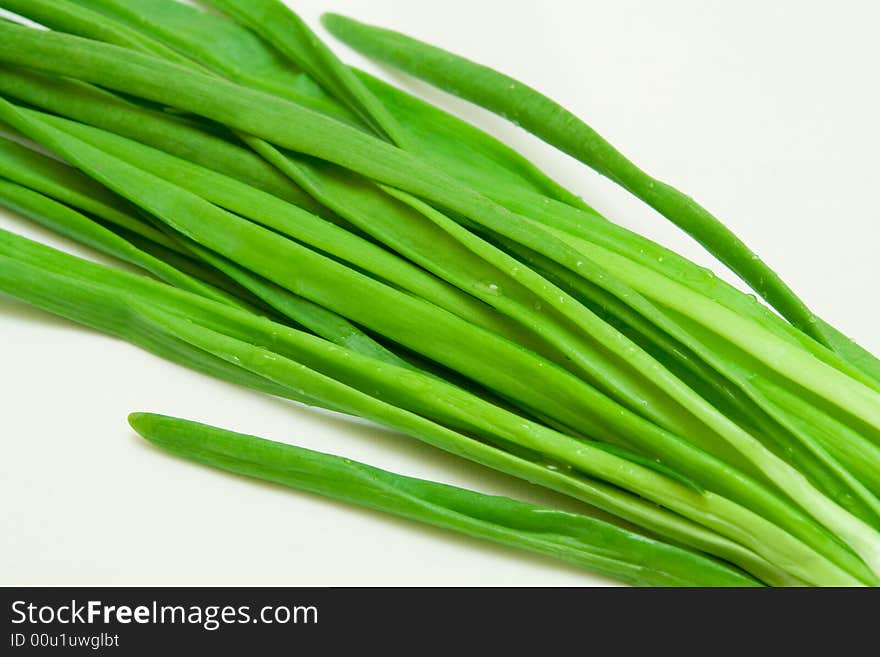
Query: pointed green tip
{"type": "Point", "coordinates": [144, 423]}
{"type": "Point", "coordinates": [332, 21]}
{"type": "Point", "coordinates": [136, 420]}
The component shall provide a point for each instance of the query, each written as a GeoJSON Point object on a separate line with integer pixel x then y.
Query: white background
{"type": "Point", "coordinates": [766, 112]}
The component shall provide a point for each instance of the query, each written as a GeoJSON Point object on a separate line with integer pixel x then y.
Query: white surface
{"type": "Point", "coordinates": [765, 112]}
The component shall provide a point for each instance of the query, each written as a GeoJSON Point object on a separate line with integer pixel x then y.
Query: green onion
{"type": "Point", "coordinates": [491, 362]}
{"type": "Point", "coordinates": [133, 307]}
{"type": "Point", "coordinates": [449, 289]}
{"type": "Point", "coordinates": [578, 539]}
{"type": "Point", "coordinates": [233, 51]}
{"type": "Point", "coordinates": [68, 222]}
{"type": "Point", "coordinates": [557, 126]}
{"type": "Point", "coordinates": [41, 172]}
{"type": "Point", "coordinates": [292, 37]}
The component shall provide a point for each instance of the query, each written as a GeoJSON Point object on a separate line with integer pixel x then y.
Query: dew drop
{"type": "Point", "coordinates": [488, 287]}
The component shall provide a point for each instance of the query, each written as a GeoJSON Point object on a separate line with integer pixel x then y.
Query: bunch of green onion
{"type": "Point", "coordinates": [307, 230]}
